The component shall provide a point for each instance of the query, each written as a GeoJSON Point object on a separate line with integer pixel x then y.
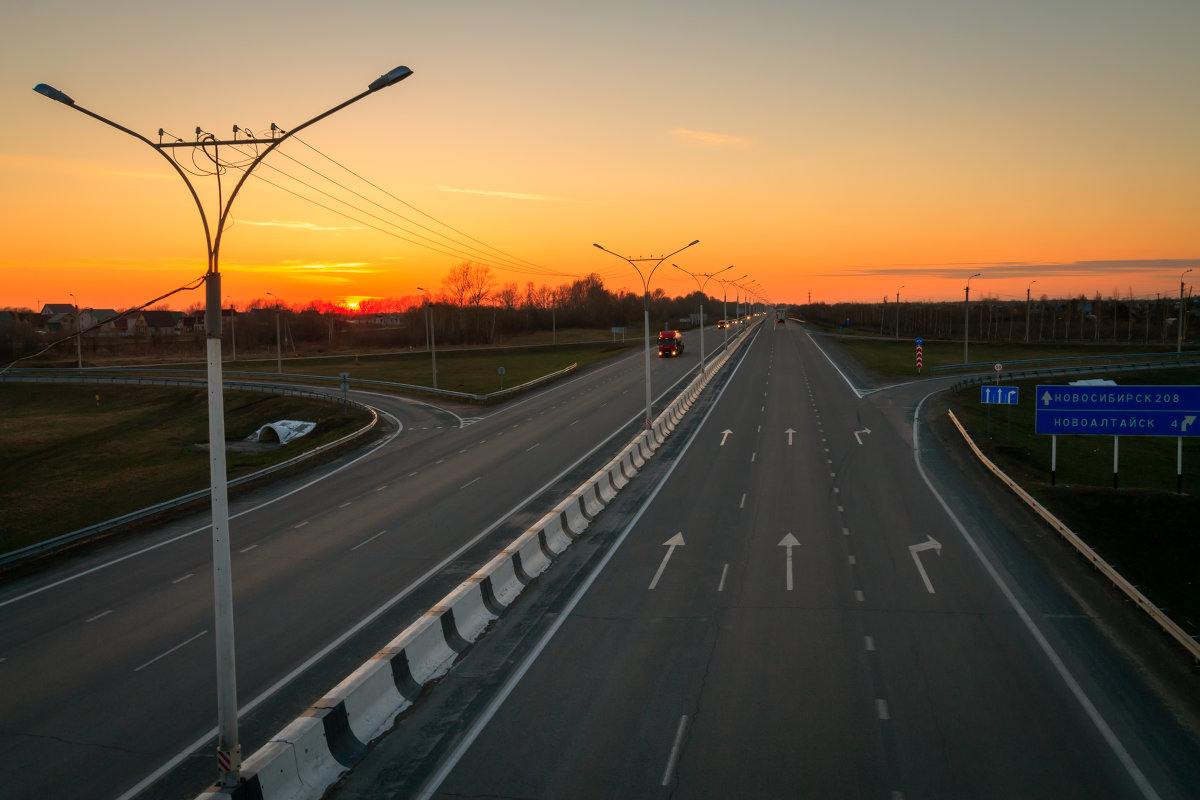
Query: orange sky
{"type": "Point", "coordinates": [840, 149]}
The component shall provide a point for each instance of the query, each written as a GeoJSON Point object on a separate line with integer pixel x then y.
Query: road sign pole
{"type": "Point", "coordinates": [1116, 449]}
{"type": "Point", "coordinates": [1179, 466]}
{"type": "Point", "coordinates": [1053, 457]}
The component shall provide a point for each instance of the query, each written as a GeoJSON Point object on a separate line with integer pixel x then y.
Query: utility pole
{"type": "Point", "coordinates": [967, 317]}
{"type": "Point", "coordinates": [1027, 308]}
{"type": "Point", "coordinates": [1182, 313]}
{"type": "Point", "coordinates": [898, 312]}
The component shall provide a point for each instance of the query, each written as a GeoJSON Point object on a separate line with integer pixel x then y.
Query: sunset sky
{"type": "Point", "coordinates": [842, 148]}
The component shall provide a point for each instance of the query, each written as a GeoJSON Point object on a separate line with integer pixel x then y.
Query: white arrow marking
{"type": "Point", "coordinates": [1046, 399]}
{"type": "Point", "coordinates": [934, 545]}
{"type": "Point", "coordinates": [670, 544]}
{"type": "Point", "coordinates": [789, 432]}
{"type": "Point", "coordinates": [725, 435]}
{"type": "Point", "coordinates": [856, 434]}
{"type": "Point", "coordinates": [789, 542]}
{"type": "Point", "coordinates": [1186, 422]}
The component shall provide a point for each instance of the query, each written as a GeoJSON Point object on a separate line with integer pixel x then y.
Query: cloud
{"type": "Point", "coordinates": [708, 139]}
{"type": "Point", "coordinates": [509, 195]}
{"type": "Point", "coordinates": [305, 226]}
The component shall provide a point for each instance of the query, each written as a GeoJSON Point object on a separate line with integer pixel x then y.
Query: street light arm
{"type": "Point", "coordinates": [55, 94]}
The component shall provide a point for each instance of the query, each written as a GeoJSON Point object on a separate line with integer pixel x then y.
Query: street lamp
{"type": "Point", "coordinates": [432, 338]}
{"type": "Point", "coordinates": [725, 300]}
{"type": "Point", "coordinates": [700, 290]}
{"type": "Point", "coordinates": [633, 262]}
{"type": "Point", "coordinates": [229, 750]}
{"type": "Point", "coordinates": [278, 338]}
{"type": "Point", "coordinates": [78, 334]}
{"type": "Point", "coordinates": [898, 312]}
{"type": "Point", "coordinates": [1028, 307]}
{"type": "Point", "coordinates": [967, 317]}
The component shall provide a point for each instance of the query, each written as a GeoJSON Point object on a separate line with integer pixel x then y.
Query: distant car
{"type": "Point", "coordinates": [723, 323]}
{"type": "Point", "coordinates": [670, 343]}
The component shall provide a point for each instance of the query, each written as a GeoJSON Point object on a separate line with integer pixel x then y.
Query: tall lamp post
{"type": "Point", "coordinates": [700, 290]}
{"type": "Point", "coordinates": [229, 750]}
{"type": "Point", "coordinates": [967, 317]}
{"type": "Point", "coordinates": [1028, 308]}
{"type": "Point", "coordinates": [898, 312]}
{"type": "Point", "coordinates": [1182, 313]}
{"type": "Point", "coordinates": [725, 301]}
{"type": "Point", "coordinates": [278, 338]}
{"type": "Point", "coordinates": [79, 332]}
{"type": "Point", "coordinates": [633, 262]}
{"type": "Point", "coordinates": [432, 337]}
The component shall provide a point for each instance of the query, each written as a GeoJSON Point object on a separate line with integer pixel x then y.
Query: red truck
{"type": "Point", "coordinates": [670, 343]}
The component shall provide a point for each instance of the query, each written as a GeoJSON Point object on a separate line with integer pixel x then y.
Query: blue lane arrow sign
{"type": "Point", "coordinates": [998, 395]}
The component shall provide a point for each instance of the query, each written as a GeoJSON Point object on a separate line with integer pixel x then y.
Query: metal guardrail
{"type": "Point", "coordinates": [976, 380]}
{"type": "Point", "coordinates": [1167, 624]}
{"type": "Point", "coordinates": [1110, 356]}
{"type": "Point", "coordinates": [82, 534]}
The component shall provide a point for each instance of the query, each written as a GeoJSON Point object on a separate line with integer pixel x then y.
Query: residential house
{"type": "Point", "coordinates": [155, 323]}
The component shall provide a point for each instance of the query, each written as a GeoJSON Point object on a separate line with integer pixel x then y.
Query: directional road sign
{"type": "Point", "coordinates": [1119, 410]}
{"type": "Point", "coordinates": [998, 395]}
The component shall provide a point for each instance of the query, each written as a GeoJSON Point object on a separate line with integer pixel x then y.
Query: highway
{"type": "Point", "coordinates": [801, 598]}
{"type": "Point", "coordinates": [107, 659]}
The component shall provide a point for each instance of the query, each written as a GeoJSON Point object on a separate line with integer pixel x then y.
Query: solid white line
{"type": "Point", "coordinates": [367, 541]}
{"type": "Point", "coordinates": [299, 524]}
{"type": "Point", "coordinates": [414, 474]}
{"type": "Point", "coordinates": [721, 585]}
{"type": "Point", "coordinates": [381, 488]}
{"type": "Point", "coordinates": [1093, 714]}
{"type": "Point", "coordinates": [468, 738]}
{"type": "Point", "coordinates": [248, 549]}
{"type": "Point", "coordinates": [172, 650]}
{"type": "Point", "coordinates": [348, 502]}
{"type": "Point", "coordinates": [184, 578]}
{"type": "Point", "coordinates": [535, 444]}
{"type": "Point", "coordinates": [98, 616]}
{"type": "Point", "coordinates": [468, 483]}
{"type": "Point", "coordinates": [675, 748]}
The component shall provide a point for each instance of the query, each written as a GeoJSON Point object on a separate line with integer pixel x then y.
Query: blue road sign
{"type": "Point", "coordinates": [920, 340]}
{"type": "Point", "coordinates": [1119, 410]}
{"type": "Point", "coordinates": [998, 395]}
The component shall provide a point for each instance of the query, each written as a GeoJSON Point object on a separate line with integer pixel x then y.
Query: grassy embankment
{"type": "Point", "coordinates": [1147, 531]}
{"type": "Point", "coordinates": [68, 463]}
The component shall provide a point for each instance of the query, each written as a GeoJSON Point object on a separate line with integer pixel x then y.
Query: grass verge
{"type": "Point", "coordinates": [70, 460]}
{"type": "Point", "coordinates": [1144, 529]}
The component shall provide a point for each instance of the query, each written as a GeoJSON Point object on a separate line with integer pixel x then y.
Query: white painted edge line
{"type": "Point", "coordinates": [1168, 624]}
{"type": "Point", "coordinates": [471, 734]}
{"type": "Point", "coordinates": [1093, 714]}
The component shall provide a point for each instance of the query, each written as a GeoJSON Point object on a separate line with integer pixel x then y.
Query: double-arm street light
{"type": "Point", "coordinates": [967, 316]}
{"type": "Point", "coordinates": [633, 262]}
{"type": "Point", "coordinates": [432, 338]}
{"type": "Point", "coordinates": [700, 290]}
{"type": "Point", "coordinates": [228, 747]}
{"type": "Point", "coordinates": [725, 300]}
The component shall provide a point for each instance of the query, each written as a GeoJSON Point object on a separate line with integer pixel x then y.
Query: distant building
{"type": "Point", "coordinates": [155, 323]}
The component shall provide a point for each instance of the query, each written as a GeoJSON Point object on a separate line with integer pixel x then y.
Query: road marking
{"type": "Point", "coordinates": [348, 502]}
{"type": "Point", "coordinates": [299, 524]}
{"type": "Point", "coordinates": [670, 544]}
{"type": "Point", "coordinates": [440, 461]}
{"type": "Point", "coordinates": [881, 709]}
{"type": "Point", "coordinates": [753, 456]}
{"type": "Point", "coordinates": [725, 435]}
{"type": "Point", "coordinates": [845, 531]}
{"type": "Point", "coordinates": [857, 438]}
{"type": "Point", "coordinates": [760, 428]}
{"type": "Point", "coordinates": [575, 422]}
{"type": "Point", "coordinates": [932, 544]}
{"type": "Point", "coordinates": [368, 541]}
{"type": "Point", "coordinates": [858, 595]}
{"type": "Point", "coordinates": [248, 549]}
{"type": "Point", "coordinates": [460, 452]}
{"type": "Point", "coordinates": [99, 616]}
{"type": "Point", "coordinates": [468, 483]}
{"type": "Point", "coordinates": [743, 503]}
{"type": "Point", "coordinates": [853, 560]}
{"type": "Point", "coordinates": [414, 474]}
{"type": "Point", "coordinates": [724, 572]}
{"type": "Point", "coordinates": [381, 488]}
{"type": "Point", "coordinates": [675, 748]}
{"type": "Point", "coordinates": [841, 509]}
{"type": "Point", "coordinates": [184, 578]}
{"type": "Point", "coordinates": [789, 433]}
{"type": "Point", "coordinates": [535, 444]}
{"type": "Point", "coordinates": [789, 542]}
{"type": "Point", "coordinates": [172, 650]}
{"type": "Point", "coordinates": [869, 643]}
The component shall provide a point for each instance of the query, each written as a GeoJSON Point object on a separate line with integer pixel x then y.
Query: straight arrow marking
{"type": "Point", "coordinates": [932, 544]}
{"type": "Point", "coordinates": [789, 432]}
{"type": "Point", "coordinates": [789, 542]}
{"type": "Point", "coordinates": [670, 544]}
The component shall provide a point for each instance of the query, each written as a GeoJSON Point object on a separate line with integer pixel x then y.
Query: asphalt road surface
{"type": "Point", "coordinates": [799, 597]}
{"type": "Point", "coordinates": [107, 661]}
